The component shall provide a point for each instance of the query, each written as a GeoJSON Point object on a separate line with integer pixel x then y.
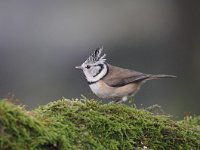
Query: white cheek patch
{"type": "Point", "coordinates": [91, 78]}
{"type": "Point", "coordinates": [94, 71]}
{"type": "Point", "coordinates": [100, 75]}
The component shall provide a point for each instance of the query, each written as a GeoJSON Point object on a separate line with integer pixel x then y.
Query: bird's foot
{"type": "Point", "coordinates": [123, 99]}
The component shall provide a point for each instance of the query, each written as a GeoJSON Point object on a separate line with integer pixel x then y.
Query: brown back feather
{"type": "Point", "coordinates": [117, 76]}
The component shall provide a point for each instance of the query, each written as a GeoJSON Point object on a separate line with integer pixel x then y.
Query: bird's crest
{"type": "Point", "coordinates": [96, 56]}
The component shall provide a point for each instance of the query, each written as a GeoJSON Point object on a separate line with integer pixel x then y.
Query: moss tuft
{"type": "Point", "coordinates": [87, 124]}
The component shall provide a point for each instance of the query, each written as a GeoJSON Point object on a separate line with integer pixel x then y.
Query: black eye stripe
{"type": "Point", "coordinates": [106, 66]}
{"type": "Point", "coordinates": [101, 68]}
{"type": "Point", "coordinates": [88, 67]}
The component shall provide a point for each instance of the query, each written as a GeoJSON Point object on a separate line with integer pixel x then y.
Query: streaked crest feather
{"type": "Point", "coordinates": [96, 56]}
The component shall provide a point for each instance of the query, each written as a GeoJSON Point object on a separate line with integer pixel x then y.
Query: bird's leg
{"type": "Point", "coordinates": [123, 99]}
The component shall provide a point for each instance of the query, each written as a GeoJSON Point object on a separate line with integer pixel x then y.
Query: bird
{"type": "Point", "coordinates": [111, 82]}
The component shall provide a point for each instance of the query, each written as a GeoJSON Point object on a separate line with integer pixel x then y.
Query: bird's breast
{"type": "Point", "coordinates": [102, 90]}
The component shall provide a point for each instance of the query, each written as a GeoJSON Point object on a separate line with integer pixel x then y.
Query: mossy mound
{"type": "Point", "coordinates": [87, 124]}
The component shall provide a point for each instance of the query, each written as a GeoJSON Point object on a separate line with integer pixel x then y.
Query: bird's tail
{"type": "Point", "coordinates": [159, 76]}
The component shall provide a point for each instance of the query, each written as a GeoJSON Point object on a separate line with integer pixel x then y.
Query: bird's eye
{"type": "Point", "coordinates": [88, 67]}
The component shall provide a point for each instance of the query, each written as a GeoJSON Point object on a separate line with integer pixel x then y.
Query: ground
{"type": "Point", "coordinates": [87, 124]}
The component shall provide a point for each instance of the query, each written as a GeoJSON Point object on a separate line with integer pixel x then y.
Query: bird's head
{"type": "Point", "coordinates": [95, 66]}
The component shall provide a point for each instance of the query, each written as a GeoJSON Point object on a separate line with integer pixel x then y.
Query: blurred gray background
{"type": "Point", "coordinates": [42, 41]}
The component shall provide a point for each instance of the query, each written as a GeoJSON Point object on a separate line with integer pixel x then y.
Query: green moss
{"type": "Point", "coordinates": [192, 121]}
{"type": "Point", "coordinates": [87, 124]}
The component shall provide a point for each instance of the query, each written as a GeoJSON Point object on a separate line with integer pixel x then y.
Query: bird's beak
{"type": "Point", "coordinates": [78, 67]}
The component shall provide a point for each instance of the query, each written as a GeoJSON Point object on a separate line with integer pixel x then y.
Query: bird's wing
{"type": "Point", "coordinates": [117, 76]}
